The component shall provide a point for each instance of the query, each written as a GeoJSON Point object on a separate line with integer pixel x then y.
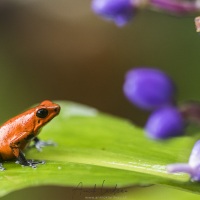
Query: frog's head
{"type": "Point", "coordinates": [45, 112]}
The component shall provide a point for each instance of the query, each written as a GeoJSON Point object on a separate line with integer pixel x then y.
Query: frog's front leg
{"type": "Point", "coordinates": [15, 146]}
{"type": "Point", "coordinates": [23, 161]}
{"type": "Point", "coordinates": [39, 144]}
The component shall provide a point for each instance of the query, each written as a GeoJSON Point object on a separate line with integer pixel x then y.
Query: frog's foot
{"type": "Point", "coordinates": [40, 144]}
{"type": "Point", "coordinates": [24, 162]}
{"type": "Point", "coordinates": [31, 163]}
{"type": "Point", "coordinates": [1, 167]}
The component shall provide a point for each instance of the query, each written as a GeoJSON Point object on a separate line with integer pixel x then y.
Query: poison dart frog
{"type": "Point", "coordinates": [17, 133]}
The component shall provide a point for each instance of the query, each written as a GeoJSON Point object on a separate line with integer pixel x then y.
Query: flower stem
{"type": "Point", "coordinates": [191, 111]}
{"type": "Point", "coordinates": [176, 6]}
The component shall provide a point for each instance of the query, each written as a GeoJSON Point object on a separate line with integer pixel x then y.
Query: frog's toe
{"type": "Point", "coordinates": [34, 163]}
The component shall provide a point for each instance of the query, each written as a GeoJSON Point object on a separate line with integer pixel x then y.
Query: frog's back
{"type": "Point", "coordinates": [16, 125]}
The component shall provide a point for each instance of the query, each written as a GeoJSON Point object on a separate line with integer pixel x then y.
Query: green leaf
{"type": "Point", "coordinates": [95, 149]}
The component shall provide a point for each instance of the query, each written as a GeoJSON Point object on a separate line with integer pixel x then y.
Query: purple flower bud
{"type": "Point", "coordinates": [192, 167]}
{"type": "Point", "coordinates": [120, 11]}
{"type": "Point", "coordinates": [164, 123]}
{"type": "Point", "coordinates": [149, 88]}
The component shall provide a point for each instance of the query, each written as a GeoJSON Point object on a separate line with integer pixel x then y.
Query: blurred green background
{"type": "Point", "coordinates": [61, 50]}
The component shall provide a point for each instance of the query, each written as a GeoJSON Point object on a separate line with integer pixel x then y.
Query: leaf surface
{"type": "Point", "coordinates": [96, 149]}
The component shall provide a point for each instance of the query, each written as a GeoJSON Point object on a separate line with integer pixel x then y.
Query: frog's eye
{"type": "Point", "coordinates": [42, 113]}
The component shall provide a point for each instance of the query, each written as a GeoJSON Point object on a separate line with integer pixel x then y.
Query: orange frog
{"type": "Point", "coordinates": [17, 133]}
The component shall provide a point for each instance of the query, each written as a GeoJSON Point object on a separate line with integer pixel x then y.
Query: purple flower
{"type": "Point", "coordinates": [120, 11]}
{"type": "Point", "coordinates": [164, 123]}
{"type": "Point", "coordinates": [149, 88]}
{"type": "Point", "coordinates": [192, 167]}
